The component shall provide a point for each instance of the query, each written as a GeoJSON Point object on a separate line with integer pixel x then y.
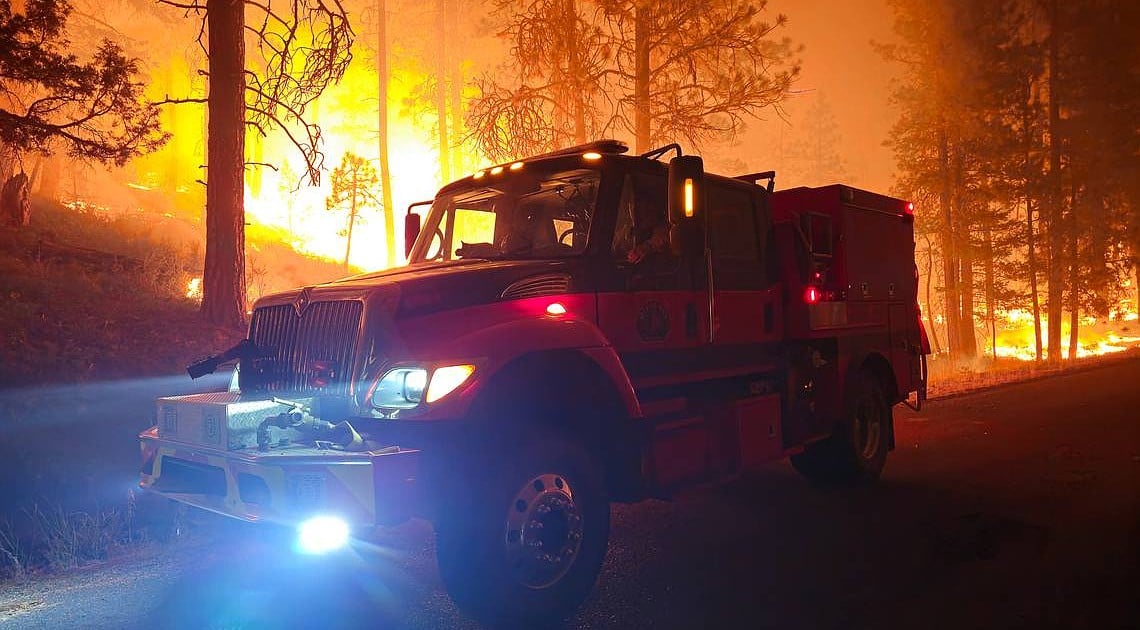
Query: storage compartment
{"type": "Point", "coordinates": [759, 422]}
{"type": "Point", "coordinates": [219, 419]}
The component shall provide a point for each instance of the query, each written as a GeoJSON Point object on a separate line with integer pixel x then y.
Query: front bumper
{"type": "Point", "coordinates": [285, 485]}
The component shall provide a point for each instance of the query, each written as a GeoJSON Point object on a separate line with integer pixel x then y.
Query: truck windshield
{"type": "Point", "coordinates": [517, 215]}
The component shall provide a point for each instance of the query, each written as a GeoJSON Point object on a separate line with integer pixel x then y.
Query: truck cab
{"type": "Point", "coordinates": [572, 329]}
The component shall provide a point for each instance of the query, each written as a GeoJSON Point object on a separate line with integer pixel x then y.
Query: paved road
{"type": "Point", "coordinates": [1014, 508]}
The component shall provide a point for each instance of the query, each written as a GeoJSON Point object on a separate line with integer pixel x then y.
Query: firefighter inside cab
{"type": "Point", "coordinates": [642, 231]}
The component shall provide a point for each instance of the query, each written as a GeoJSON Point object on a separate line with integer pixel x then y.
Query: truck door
{"type": "Point", "coordinates": [744, 341]}
{"type": "Point", "coordinates": [656, 312]}
{"type": "Point", "coordinates": [656, 316]}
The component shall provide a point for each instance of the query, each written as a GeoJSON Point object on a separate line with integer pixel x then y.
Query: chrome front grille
{"type": "Point", "coordinates": [306, 352]}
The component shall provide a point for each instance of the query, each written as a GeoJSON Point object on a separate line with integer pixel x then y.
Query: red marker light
{"type": "Point", "coordinates": [811, 295]}
{"type": "Point", "coordinates": [910, 207]}
{"type": "Point", "coordinates": [555, 308]}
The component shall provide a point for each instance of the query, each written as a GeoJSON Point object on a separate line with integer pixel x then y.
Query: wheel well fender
{"type": "Point", "coordinates": [880, 370]}
{"type": "Point", "coordinates": [570, 392]}
{"type": "Point", "coordinates": [878, 366]}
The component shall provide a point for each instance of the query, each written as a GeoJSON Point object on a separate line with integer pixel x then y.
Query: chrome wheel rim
{"type": "Point", "coordinates": [544, 531]}
{"type": "Point", "coordinates": [868, 428]}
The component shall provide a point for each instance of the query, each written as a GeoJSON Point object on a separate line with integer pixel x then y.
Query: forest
{"type": "Point", "coordinates": [1013, 130]}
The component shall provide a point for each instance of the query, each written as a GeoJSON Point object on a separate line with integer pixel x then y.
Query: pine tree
{"type": "Point", "coordinates": [654, 71]}
{"type": "Point", "coordinates": [353, 182]}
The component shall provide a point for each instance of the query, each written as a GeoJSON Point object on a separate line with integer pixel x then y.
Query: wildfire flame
{"type": "Point", "coordinates": [1015, 335]}
{"type": "Point", "coordinates": [194, 289]}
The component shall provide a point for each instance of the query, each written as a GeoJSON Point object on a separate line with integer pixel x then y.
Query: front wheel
{"type": "Point", "coordinates": [521, 538]}
{"type": "Point", "coordinates": [857, 450]}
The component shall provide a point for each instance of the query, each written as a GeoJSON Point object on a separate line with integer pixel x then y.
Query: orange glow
{"type": "Point", "coordinates": [194, 289]}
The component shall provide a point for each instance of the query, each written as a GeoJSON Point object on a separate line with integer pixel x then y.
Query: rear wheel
{"type": "Point", "coordinates": [857, 450]}
{"type": "Point", "coordinates": [521, 537]}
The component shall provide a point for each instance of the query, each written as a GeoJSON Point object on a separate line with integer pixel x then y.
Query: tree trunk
{"type": "Point", "coordinates": [441, 92]}
{"type": "Point", "coordinates": [969, 336]}
{"type": "Point", "coordinates": [988, 285]}
{"type": "Point", "coordinates": [455, 94]}
{"type": "Point", "coordinates": [947, 241]}
{"type": "Point", "coordinates": [223, 281]}
{"type": "Point", "coordinates": [1074, 279]}
{"type": "Point", "coordinates": [929, 298]}
{"type": "Point", "coordinates": [1034, 296]}
{"type": "Point", "coordinates": [1055, 197]}
{"type": "Point", "coordinates": [385, 169]}
{"type": "Point", "coordinates": [964, 251]}
{"type": "Point", "coordinates": [351, 218]}
{"type": "Point", "coordinates": [15, 207]}
{"type": "Point", "coordinates": [642, 121]}
{"type": "Point", "coordinates": [173, 150]}
{"type": "Point", "coordinates": [577, 80]}
{"type": "Point", "coordinates": [1027, 139]}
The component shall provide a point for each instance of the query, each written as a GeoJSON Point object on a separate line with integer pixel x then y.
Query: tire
{"type": "Point", "coordinates": [520, 539]}
{"type": "Point", "coordinates": [857, 451]}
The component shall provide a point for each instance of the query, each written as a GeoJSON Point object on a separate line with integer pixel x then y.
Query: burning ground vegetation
{"type": "Point", "coordinates": [1010, 352]}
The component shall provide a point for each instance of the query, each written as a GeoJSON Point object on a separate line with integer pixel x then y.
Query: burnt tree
{"type": "Point", "coordinates": [304, 49]}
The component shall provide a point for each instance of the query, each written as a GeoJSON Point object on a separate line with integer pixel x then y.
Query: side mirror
{"type": "Point", "coordinates": [411, 231]}
{"type": "Point", "coordinates": [686, 204]}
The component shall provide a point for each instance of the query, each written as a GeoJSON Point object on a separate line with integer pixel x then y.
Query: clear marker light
{"type": "Point", "coordinates": [322, 534]}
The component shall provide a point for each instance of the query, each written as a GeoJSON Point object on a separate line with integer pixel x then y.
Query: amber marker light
{"type": "Point", "coordinates": [446, 379]}
{"type": "Point", "coordinates": [689, 197]}
{"type": "Point", "coordinates": [496, 170]}
{"type": "Point", "coordinates": [591, 155]}
{"type": "Point", "coordinates": [516, 166]}
{"type": "Point", "coordinates": [555, 308]}
{"type": "Point", "coordinates": [479, 174]}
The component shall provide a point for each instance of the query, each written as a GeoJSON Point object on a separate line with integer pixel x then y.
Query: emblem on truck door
{"type": "Point", "coordinates": [652, 321]}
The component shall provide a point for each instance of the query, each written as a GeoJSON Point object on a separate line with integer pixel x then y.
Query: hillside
{"type": "Point", "coordinates": [89, 296]}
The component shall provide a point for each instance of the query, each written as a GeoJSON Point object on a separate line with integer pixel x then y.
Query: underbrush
{"type": "Point", "coordinates": [51, 538]}
{"type": "Point", "coordinates": [84, 298]}
{"type": "Point", "coordinates": [947, 378]}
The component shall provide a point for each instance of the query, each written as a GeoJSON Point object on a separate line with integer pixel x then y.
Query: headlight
{"type": "Point", "coordinates": [404, 387]}
{"type": "Point", "coordinates": [401, 388]}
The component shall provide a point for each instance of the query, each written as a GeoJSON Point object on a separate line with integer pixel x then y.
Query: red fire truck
{"type": "Point", "coordinates": [573, 329]}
